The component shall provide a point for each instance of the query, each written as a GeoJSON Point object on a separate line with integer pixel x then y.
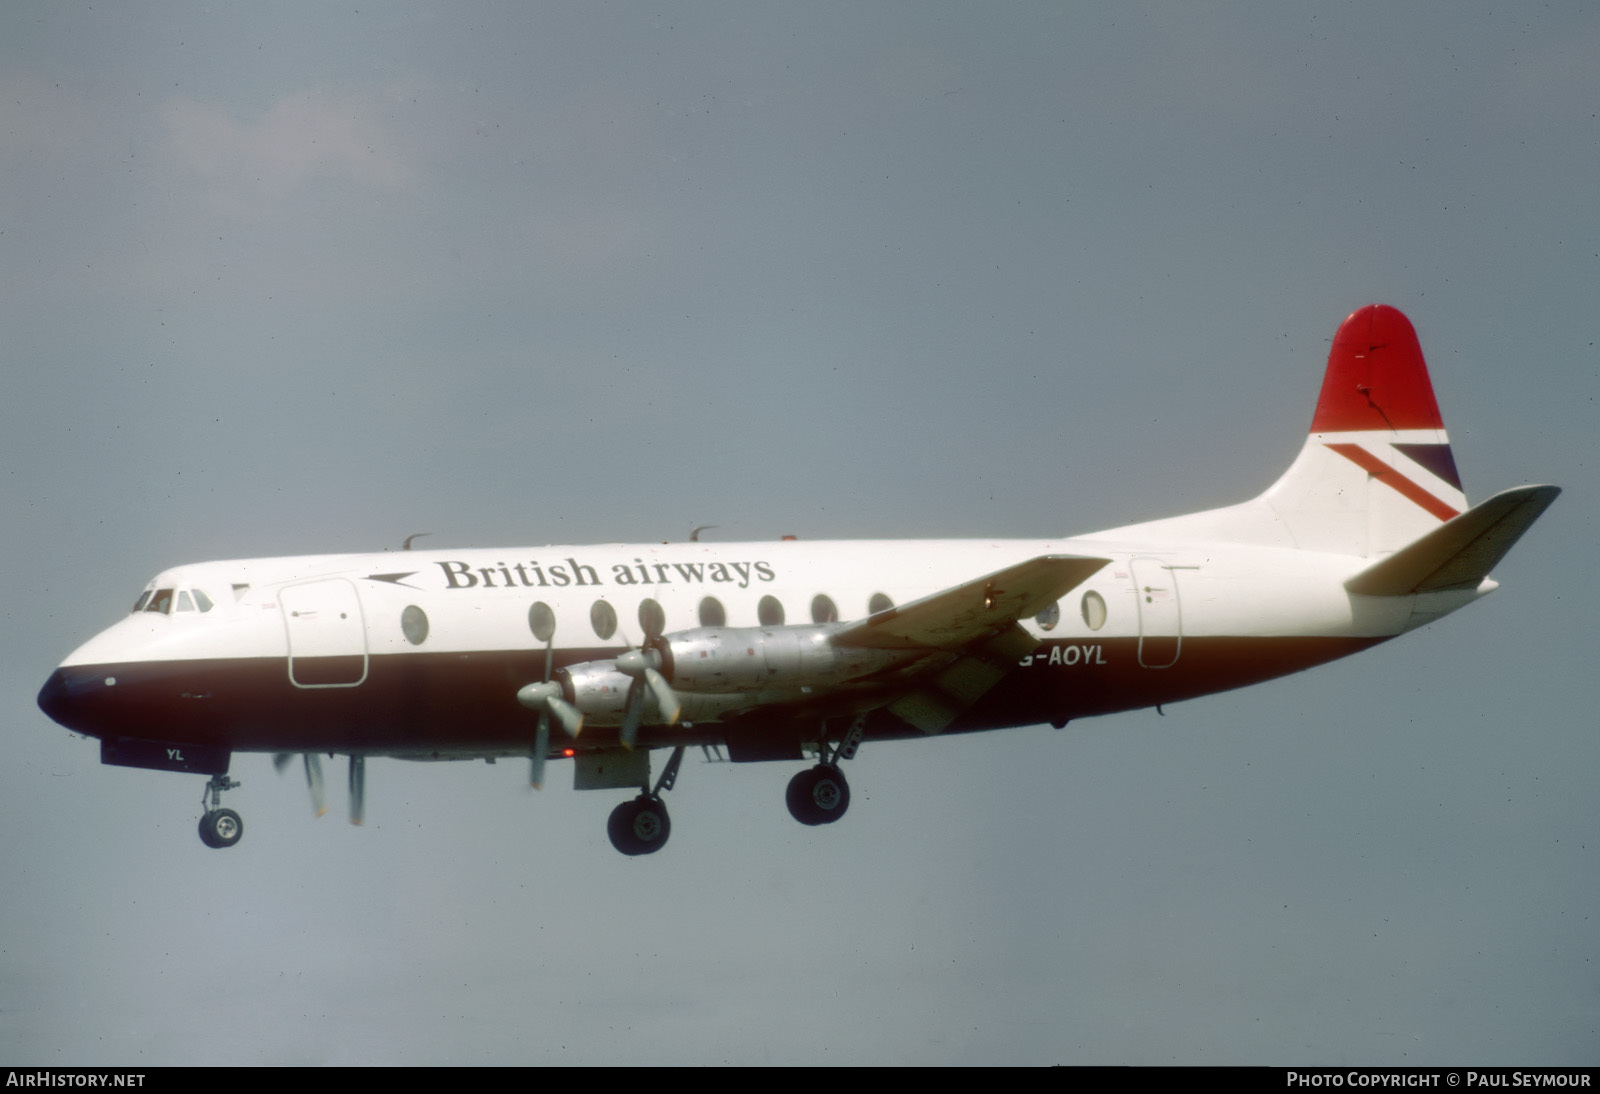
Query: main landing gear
{"type": "Point", "coordinates": [641, 826]}
{"type": "Point", "coordinates": [219, 827]}
{"type": "Point", "coordinates": [818, 796]}
{"type": "Point", "coordinates": [821, 795]}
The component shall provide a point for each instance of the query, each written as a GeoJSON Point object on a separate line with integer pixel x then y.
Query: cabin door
{"type": "Point", "coordinates": [327, 634]}
{"type": "Point", "coordinates": [1160, 613]}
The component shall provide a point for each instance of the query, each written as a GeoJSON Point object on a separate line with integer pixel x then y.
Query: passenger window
{"type": "Point", "coordinates": [651, 618]}
{"type": "Point", "coordinates": [542, 621]}
{"type": "Point", "coordinates": [712, 613]}
{"type": "Point", "coordinates": [603, 618]}
{"type": "Point", "coordinates": [414, 624]}
{"type": "Point", "coordinates": [1049, 617]}
{"type": "Point", "coordinates": [770, 612]}
{"type": "Point", "coordinates": [823, 609]}
{"type": "Point", "coordinates": [1094, 610]}
{"type": "Point", "coordinates": [880, 602]}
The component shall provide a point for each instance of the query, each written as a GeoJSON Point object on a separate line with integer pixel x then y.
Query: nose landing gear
{"type": "Point", "coordinates": [219, 827]}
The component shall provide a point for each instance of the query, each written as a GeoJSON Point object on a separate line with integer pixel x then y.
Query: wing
{"type": "Point", "coordinates": [978, 622]}
{"type": "Point", "coordinates": [956, 618]}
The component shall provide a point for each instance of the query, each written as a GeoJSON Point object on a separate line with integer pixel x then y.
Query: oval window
{"type": "Point", "coordinates": [542, 621]}
{"type": "Point", "coordinates": [1094, 610]}
{"type": "Point", "coordinates": [1048, 618]}
{"type": "Point", "coordinates": [414, 624]}
{"type": "Point", "coordinates": [770, 612]}
{"type": "Point", "coordinates": [880, 602]}
{"type": "Point", "coordinates": [603, 618]}
{"type": "Point", "coordinates": [823, 609]}
{"type": "Point", "coordinates": [712, 613]}
{"type": "Point", "coordinates": [651, 618]}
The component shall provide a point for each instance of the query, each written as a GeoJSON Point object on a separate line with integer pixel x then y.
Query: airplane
{"type": "Point", "coordinates": [784, 650]}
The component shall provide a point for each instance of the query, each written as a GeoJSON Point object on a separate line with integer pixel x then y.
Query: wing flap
{"type": "Point", "coordinates": [1459, 553]}
{"type": "Point", "coordinates": [956, 617]}
{"type": "Point", "coordinates": [939, 700]}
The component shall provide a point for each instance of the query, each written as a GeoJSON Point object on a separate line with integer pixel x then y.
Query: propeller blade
{"type": "Point", "coordinates": [666, 698]}
{"type": "Point", "coordinates": [314, 782]}
{"type": "Point", "coordinates": [570, 717]}
{"type": "Point", "coordinates": [543, 621]}
{"type": "Point", "coordinates": [632, 714]}
{"type": "Point", "coordinates": [281, 761]}
{"type": "Point", "coordinates": [358, 788]}
{"type": "Point", "coordinates": [541, 745]}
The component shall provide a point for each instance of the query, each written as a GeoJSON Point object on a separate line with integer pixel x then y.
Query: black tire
{"type": "Point", "coordinates": [639, 827]}
{"type": "Point", "coordinates": [221, 828]}
{"type": "Point", "coordinates": [818, 796]}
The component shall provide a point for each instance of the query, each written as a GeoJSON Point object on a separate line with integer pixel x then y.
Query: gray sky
{"type": "Point", "coordinates": [310, 277]}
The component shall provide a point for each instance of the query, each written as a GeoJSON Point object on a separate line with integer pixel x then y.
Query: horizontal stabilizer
{"type": "Point", "coordinates": [953, 618]}
{"type": "Point", "coordinates": [1461, 552]}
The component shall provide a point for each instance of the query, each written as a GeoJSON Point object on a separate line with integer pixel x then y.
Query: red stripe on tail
{"type": "Point", "coordinates": [1394, 479]}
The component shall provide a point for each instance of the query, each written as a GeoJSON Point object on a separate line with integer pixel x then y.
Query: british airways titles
{"type": "Point", "coordinates": [571, 572]}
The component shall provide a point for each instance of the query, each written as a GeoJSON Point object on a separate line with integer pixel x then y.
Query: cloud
{"type": "Point", "coordinates": [300, 139]}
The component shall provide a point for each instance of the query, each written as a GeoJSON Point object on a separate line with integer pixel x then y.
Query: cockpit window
{"type": "Point", "coordinates": [144, 598]}
{"type": "Point", "coordinates": [185, 602]}
{"type": "Point", "coordinates": [161, 602]}
{"type": "Point", "coordinates": [201, 600]}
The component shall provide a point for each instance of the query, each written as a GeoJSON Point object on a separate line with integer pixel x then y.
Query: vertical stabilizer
{"type": "Point", "coordinates": [1376, 472]}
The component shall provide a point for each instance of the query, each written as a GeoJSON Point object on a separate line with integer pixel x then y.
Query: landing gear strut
{"type": "Point", "coordinates": [641, 826]}
{"type": "Point", "coordinates": [821, 795]}
{"type": "Point", "coordinates": [219, 827]}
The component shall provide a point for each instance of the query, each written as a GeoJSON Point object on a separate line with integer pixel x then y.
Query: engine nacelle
{"type": "Point", "coordinates": [720, 660]}
{"type": "Point", "coordinates": [597, 689]}
{"type": "Point", "coordinates": [600, 692]}
{"type": "Point", "coordinates": [717, 670]}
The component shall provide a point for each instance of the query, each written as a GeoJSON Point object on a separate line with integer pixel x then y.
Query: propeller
{"type": "Point", "coordinates": [644, 665]}
{"type": "Point", "coordinates": [313, 776]}
{"type": "Point", "coordinates": [358, 788]}
{"type": "Point", "coordinates": [545, 696]}
{"type": "Point", "coordinates": [645, 668]}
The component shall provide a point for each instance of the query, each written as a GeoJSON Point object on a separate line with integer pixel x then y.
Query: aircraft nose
{"type": "Point", "coordinates": [55, 698]}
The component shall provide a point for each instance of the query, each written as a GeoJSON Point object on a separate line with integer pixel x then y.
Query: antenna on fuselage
{"type": "Point", "coordinates": [406, 546]}
{"type": "Point", "coordinates": [694, 536]}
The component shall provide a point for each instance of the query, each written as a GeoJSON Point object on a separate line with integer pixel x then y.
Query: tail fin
{"type": "Point", "coordinates": [1376, 473]}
